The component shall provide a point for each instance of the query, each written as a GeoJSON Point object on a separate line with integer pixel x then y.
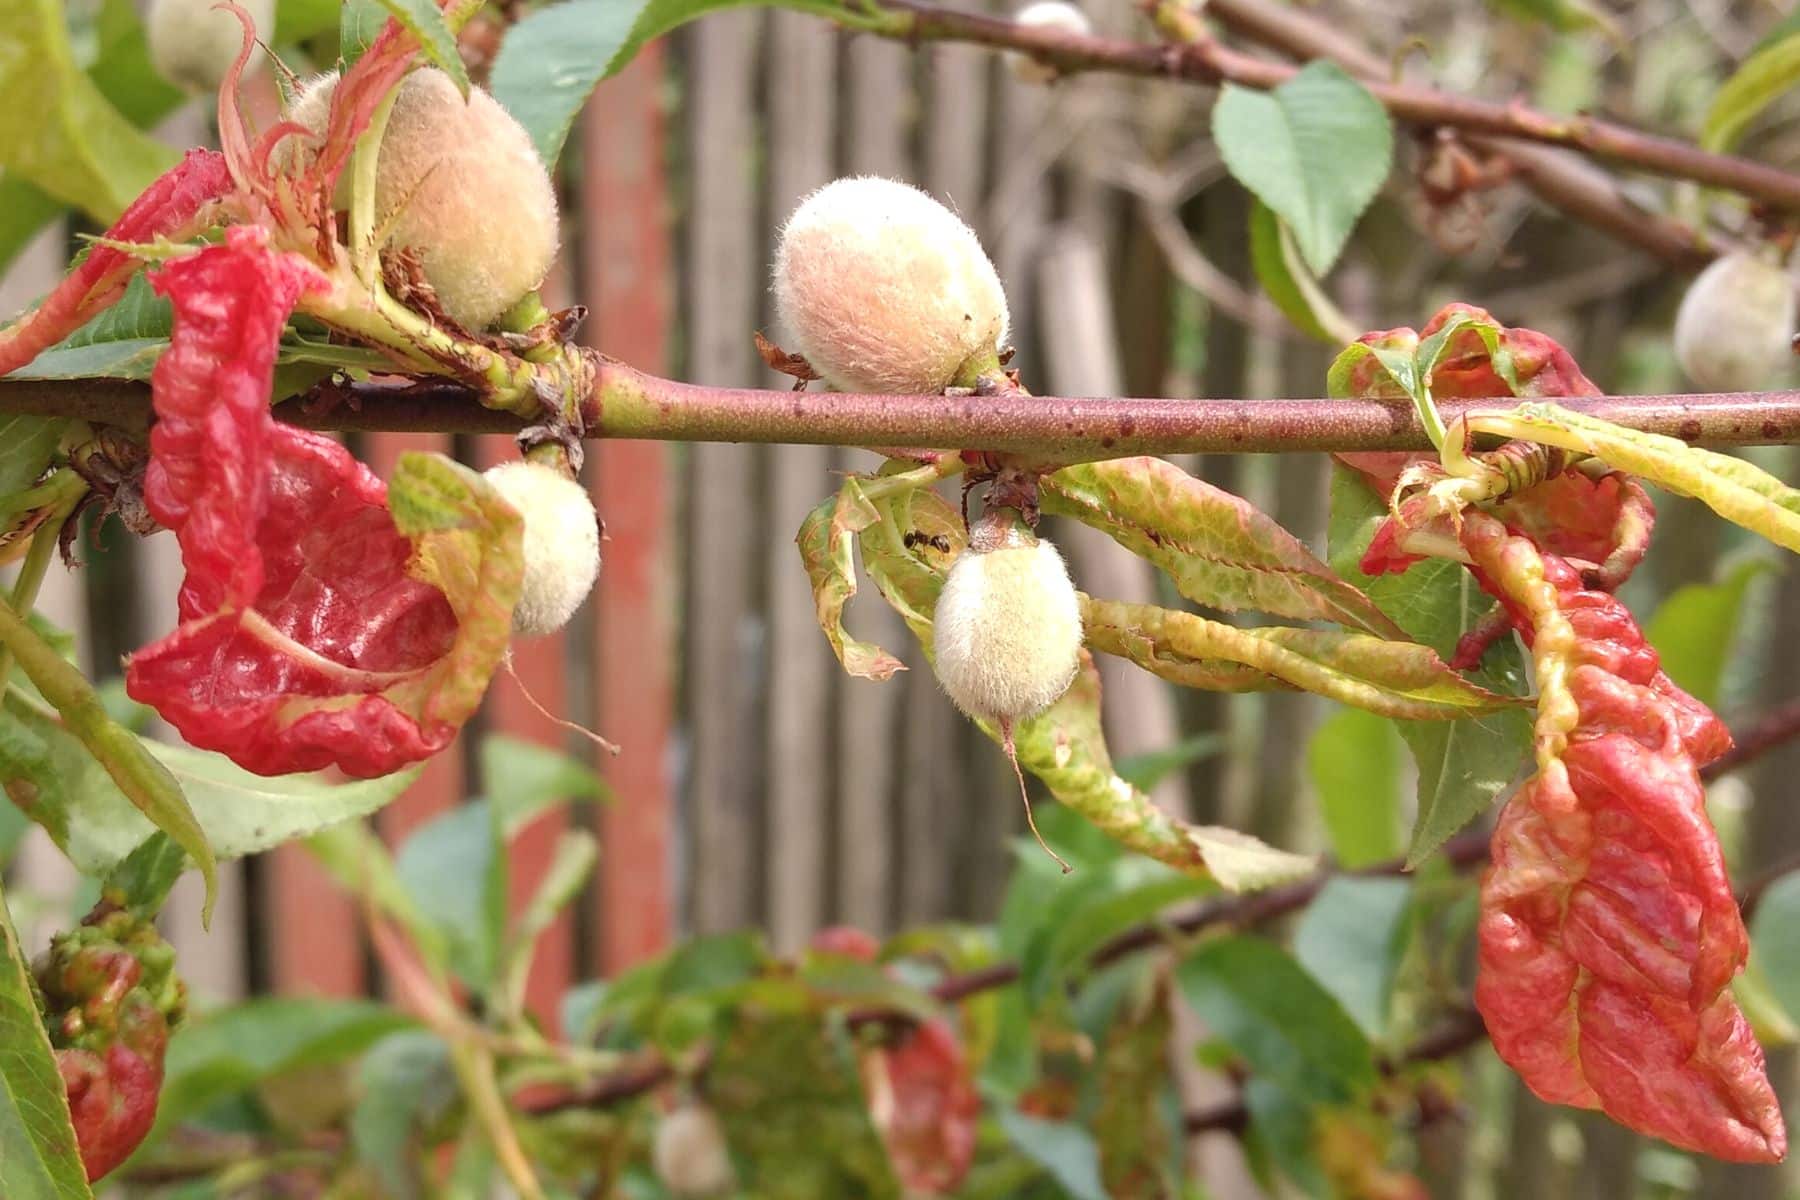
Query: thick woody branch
{"type": "Point", "coordinates": [1053, 429]}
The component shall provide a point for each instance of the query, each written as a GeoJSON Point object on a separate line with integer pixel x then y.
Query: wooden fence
{"type": "Point", "coordinates": [758, 784]}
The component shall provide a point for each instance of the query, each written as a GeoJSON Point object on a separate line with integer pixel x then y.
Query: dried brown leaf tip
{"type": "Point", "coordinates": [786, 363]}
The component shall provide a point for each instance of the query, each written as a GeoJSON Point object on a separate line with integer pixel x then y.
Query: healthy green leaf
{"type": "Point", "coordinates": [424, 19]}
{"type": "Point", "coordinates": [1091, 908]}
{"type": "Point", "coordinates": [303, 20]}
{"type": "Point", "coordinates": [38, 1155]}
{"type": "Point", "coordinates": [25, 210]}
{"type": "Point", "coordinates": [239, 813]}
{"type": "Point", "coordinates": [1150, 768]}
{"type": "Point", "coordinates": [1293, 289]}
{"type": "Point", "coordinates": [61, 134]}
{"type": "Point", "coordinates": [1063, 1148]}
{"type": "Point", "coordinates": [1289, 1030]}
{"type": "Point", "coordinates": [1351, 939]}
{"type": "Point", "coordinates": [403, 1083]}
{"type": "Point", "coordinates": [1219, 549]}
{"type": "Point", "coordinates": [1764, 77]}
{"type": "Point", "coordinates": [1463, 765]}
{"type": "Point", "coordinates": [144, 879]}
{"type": "Point", "coordinates": [570, 865]}
{"type": "Point", "coordinates": [552, 60]}
{"type": "Point", "coordinates": [1315, 150]}
{"type": "Point", "coordinates": [1353, 760]}
{"type": "Point", "coordinates": [1695, 629]}
{"type": "Point", "coordinates": [122, 69]}
{"type": "Point", "coordinates": [26, 447]}
{"type": "Point", "coordinates": [454, 870]}
{"type": "Point", "coordinates": [1735, 488]}
{"type": "Point", "coordinates": [226, 1052]}
{"type": "Point", "coordinates": [1773, 943]}
{"type": "Point", "coordinates": [524, 780]}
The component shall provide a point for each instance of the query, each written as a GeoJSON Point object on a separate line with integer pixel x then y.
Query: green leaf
{"type": "Point", "coordinates": [403, 1083]}
{"type": "Point", "coordinates": [303, 20]}
{"type": "Point", "coordinates": [424, 19]}
{"type": "Point", "coordinates": [144, 879]}
{"type": "Point", "coordinates": [1463, 765]}
{"type": "Point", "coordinates": [358, 24]}
{"type": "Point", "coordinates": [26, 446]}
{"type": "Point", "coordinates": [523, 780]}
{"type": "Point", "coordinates": [1695, 629]}
{"type": "Point", "coordinates": [1290, 1031]}
{"type": "Point", "coordinates": [570, 865]}
{"type": "Point", "coordinates": [1764, 77]}
{"type": "Point", "coordinates": [1353, 760]}
{"type": "Point", "coordinates": [60, 133]}
{"type": "Point", "coordinates": [1064, 746]}
{"type": "Point", "coordinates": [1062, 1148]}
{"type": "Point", "coordinates": [25, 210]}
{"type": "Point", "coordinates": [359, 861]}
{"type": "Point", "coordinates": [1735, 488]}
{"type": "Point", "coordinates": [122, 69]}
{"type": "Point", "coordinates": [1288, 283]}
{"type": "Point", "coordinates": [38, 1154]}
{"type": "Point", "coordinates": [453, 870]}
{"type": "Point", "coordinates": [229, 1051]}
{"type": "Point", "coordinates": [1090, 908]}
{"type": "Point", "coordinates": [1150, 768]}
{"type": "Point", "coordinates": [1351, 939]}
{"type": "Point", "coordinates": [1131, 1122]}
{"type": "Point", "coordinates": [237, 813]}
{"type": "Point", "coordinates": [80, 734]}
{"type": "Point", "coordinates": [1773, 943]}
{"type": "Point", "coordinates": [1315, 150]}
{"type": "Point", "coordinates": [827, 544]}
{"type": "Point", "coordinates": [553, 59]}
{"type": "Point", "coordinates": [1219, 549]}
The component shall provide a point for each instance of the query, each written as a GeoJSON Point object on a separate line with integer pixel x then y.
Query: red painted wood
{"type": "Point", "coordinates": [627, 283]}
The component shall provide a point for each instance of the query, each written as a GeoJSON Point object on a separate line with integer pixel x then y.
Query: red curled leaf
{"type": "Point", "coordinates": [168, 208]}
{"type": "Point", "coordinates": [1608, 931]}
{"type": "Point", "coordinates": [317, 628]}
{"type": "Point", "coordinates": [924, 1103]}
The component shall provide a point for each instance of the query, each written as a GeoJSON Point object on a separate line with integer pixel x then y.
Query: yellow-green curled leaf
{"type": "Point", "coordinates": [1737, 490]}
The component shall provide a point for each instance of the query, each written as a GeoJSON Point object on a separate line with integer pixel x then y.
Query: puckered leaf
{"type": "Point", "coordinates": [169, 207]}
{"type": "Point", "coordinates": [1609, 932]}
{"type": "Point", "coordinates": [1396, 679]}
{"type": "Point", "coordinates": [827, 542]}
{"type": "Point", "coordinates": [1064, 746]}
{"type": "Point", "coordinates": [1131, 1123]}
{"type": "Point", "coordinates": [1736, 489]}
{"type": "Point", "coordinates": [922, 1100]}
{"type": "Point", "coordinates": [317, 629]}
{"type": "Point", "coordinates": [1219, 549]}
{"type": "Point", "coordinates": [1462, 353]}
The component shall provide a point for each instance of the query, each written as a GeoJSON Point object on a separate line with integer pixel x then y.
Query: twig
{"type": "Point", "coordinates": [1772, 730]}
{"type": "Point", "coordinates": [1209, 62]}
{"type": "Point", "coordinates": [631, 404]}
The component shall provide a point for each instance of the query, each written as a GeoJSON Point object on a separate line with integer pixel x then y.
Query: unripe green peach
{"type": "Point", "coordinates": [1007, 628]}
{"type": "Point", "coordinates": [883, 289]}
{"type": "Point", "coordinates": [1734, 325]}
{"type": "Point", "coordinates": [461, 185]}
{"type": "Point", "coordinates": [193, 43]}
{"type": "Point", "coordinates": [561, 544]}
{"type": "Point", "coordinates": [689, 1154]}
{"type": "Point", "coordinates": [1045, 14]}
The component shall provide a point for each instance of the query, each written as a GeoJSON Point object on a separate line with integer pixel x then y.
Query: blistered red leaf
{"type": "Point", "coordinates": [1536, 363]}
{"type": "Point", "coordinates": [171, 207]}
{"type": "Point", "coordinates": [923, 1101]}
{"type": "Point", "coordinates": [1609, 933]}
{"type": "Point", "coordinates": [307, 637]}
{"type": "Point", "coordinates": [847, 941]}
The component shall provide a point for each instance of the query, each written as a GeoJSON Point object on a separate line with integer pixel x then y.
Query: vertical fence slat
{"type": "Point", "coordinates": [881, 101]}
{"type": "Point", "coordinates": [722, 272]}
{"type": "Point", "coordinates": [802, 80]}
{"type": "Point", "coordinates": [626, 281]}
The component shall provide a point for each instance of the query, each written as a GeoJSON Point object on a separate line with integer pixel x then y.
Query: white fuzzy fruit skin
{"type": "Point", "coordinates": [462, 185]}
{"type": "Point", "coordinates": [689, 1153]}
{"type": "Point", "coordinates": [1007, 631]}
{"type": "Point", "coordinates": [1045, 14]}
{"type": "Point", "coordinates": [1733, 328]}
{"type": "Point", "coordinates": [883, 289]}
{"type": "Point", "coordinates": [561, 543]}
{"type": "Point", "coordinates": [193, 44]}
